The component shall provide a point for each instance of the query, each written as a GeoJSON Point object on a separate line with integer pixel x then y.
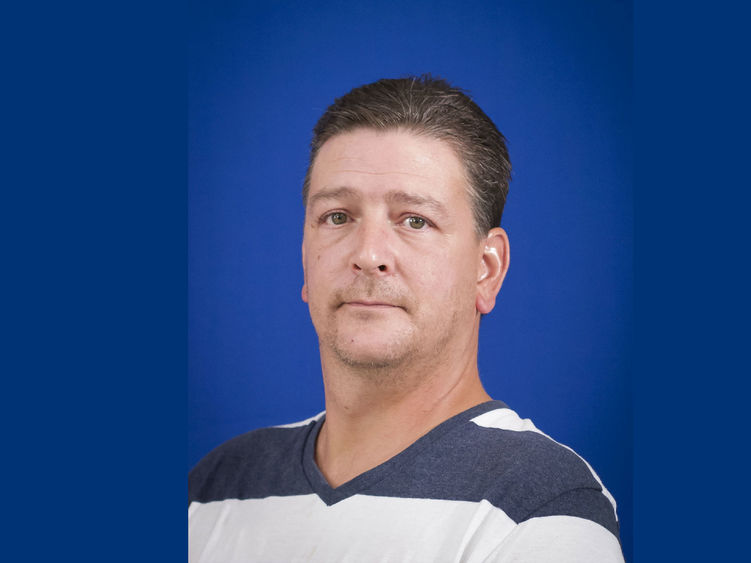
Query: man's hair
{"type": "Point", "coordinates": [428, 106]}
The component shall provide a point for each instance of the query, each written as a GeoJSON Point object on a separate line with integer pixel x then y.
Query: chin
{"type": "Point", "coordinates": [373, 355]}
{"type": "Point", "coordinates": [368, 364]}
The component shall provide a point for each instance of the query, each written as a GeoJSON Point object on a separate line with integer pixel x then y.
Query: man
{"type": "Point", "coordinates": [412, 460]}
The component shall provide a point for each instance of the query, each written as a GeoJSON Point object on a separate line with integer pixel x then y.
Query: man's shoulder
{"type": "Point", "coordinates": [246, 447]}
{"type": "Point", "coordinates": [246, 465]}
{"type": "Point", "coordinates": [500, 443]}
{"type": "Point", "coordinates": [503, 436]}
{"type": "Point", "coordinates": [529, 474]}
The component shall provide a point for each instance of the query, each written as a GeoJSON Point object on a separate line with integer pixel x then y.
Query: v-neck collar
{"type": "Point", "coordinates": [366, 480]}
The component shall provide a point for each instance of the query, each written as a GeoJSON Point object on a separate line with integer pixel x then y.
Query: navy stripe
{"type": "Point", "coordinates": [258, 464]}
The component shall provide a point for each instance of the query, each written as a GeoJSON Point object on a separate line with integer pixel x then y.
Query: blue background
{"type": "Point", "coordinates": [558, 83]}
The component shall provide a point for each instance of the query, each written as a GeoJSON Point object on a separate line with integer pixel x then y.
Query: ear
{"type": "Point", "coordinates": [492, 269]}
{"type": "Point", "coordinates": [304, 292]}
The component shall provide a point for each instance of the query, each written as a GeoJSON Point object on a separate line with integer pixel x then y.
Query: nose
{"type": "Point", "coordinates": [373, 251]}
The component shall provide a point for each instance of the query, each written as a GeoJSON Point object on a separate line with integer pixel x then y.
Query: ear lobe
{"type": "Point", "coordinates": [492, 269]}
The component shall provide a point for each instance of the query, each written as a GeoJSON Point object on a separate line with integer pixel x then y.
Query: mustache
{"type": "Point", "coordinates": [372, 290]}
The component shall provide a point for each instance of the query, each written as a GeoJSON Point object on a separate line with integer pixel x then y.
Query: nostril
{"type": "Point", "coordinates": [382, 268]}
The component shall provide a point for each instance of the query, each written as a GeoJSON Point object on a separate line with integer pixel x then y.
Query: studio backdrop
{"type": "Point", "coordinates": [554, 76]}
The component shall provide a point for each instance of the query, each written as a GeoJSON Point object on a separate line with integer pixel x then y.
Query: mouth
{"type": "Point", "coordinates": [370, 305]}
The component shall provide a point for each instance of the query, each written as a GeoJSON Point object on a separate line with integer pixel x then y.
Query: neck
{"type": "Point", "coordinates": [370, 417]}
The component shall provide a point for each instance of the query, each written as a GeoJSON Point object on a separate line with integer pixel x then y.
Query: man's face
{"type": "Point", "coordinates": [390, 253]}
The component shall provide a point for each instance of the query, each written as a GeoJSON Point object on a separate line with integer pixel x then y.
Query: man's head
{"type": "Point", "coordinates": [400, 259]}
{"type": "Point", "coordinates": [433, 108]}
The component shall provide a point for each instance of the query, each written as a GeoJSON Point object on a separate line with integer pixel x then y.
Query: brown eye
{"type": "Point", "coordinates": [338, 218]}
{"type": "Point", "coordinates": [416, 222]}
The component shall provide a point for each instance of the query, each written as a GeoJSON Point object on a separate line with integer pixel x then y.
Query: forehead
{"type": "Point", "coordinates": [377, 161]}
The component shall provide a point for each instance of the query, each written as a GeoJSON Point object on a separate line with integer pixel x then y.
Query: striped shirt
{"type": "Point", "coordinates": [485, 485]}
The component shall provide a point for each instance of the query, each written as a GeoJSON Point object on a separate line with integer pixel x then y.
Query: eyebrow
{"type": "Point", "coordinates": [392, 196]}
{"type": "Point", "coordinates": [399, 196]}
{"type": "Point", "coordinates": [333, 193]}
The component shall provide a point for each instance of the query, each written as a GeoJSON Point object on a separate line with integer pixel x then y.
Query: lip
{"type": "Point", "coordinates": [371, 304]}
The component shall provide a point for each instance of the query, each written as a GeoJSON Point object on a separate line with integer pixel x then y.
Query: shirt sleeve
{"type": "Point", "coordinates": [558, 539]}
{"type": "Point", "coordinates": [577, 526]}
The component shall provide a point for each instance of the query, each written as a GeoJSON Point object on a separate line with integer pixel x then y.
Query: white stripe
{"type": "Point", "coordinates": [506, 419]}
{"type": "Point", "coordinates": [558, 539]}
{"type": "Point", "coordinates": [359, 529]}
{"type": "Point", "coordinates": [302, 422]}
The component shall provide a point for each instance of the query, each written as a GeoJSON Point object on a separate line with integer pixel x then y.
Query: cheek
{"type": "Point", "coordinates": [447, 276]}
{"type": "Point", "coordinates": [319, 270]}
{"type": "Point", "coordinates": [435, 275]}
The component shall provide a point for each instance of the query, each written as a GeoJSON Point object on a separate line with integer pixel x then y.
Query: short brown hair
{"type": "Point", "coordinates": [429, 106]}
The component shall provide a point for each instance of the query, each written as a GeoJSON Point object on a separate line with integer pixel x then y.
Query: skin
{"type": "Point", "coordinates": [396, 279]}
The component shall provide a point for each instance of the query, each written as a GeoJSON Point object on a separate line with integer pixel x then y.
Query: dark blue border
{"type": "Point", "coordinates": [691, 281]}
{"type": "Point", "coordinates": [96, 385]}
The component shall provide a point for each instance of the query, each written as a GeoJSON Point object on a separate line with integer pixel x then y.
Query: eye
{"type": "Point", "coordinates": [337, 218]}
{"type": "Point", "coordinates": [416, 222]}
